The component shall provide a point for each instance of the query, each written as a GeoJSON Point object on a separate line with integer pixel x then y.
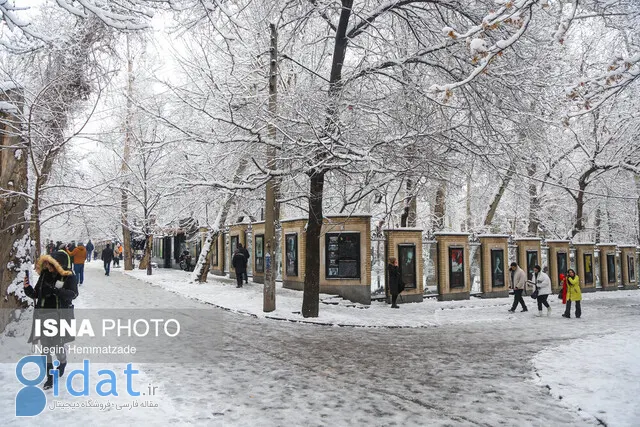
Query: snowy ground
{"type": "Point", "coordinates": [461, 363]}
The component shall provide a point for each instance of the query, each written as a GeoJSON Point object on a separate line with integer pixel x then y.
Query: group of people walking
{"type": "Point", "coordinates": [542, 284]}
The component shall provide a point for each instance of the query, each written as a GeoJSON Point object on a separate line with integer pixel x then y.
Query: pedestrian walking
{"type": "Point", "coordinates": [518, 280]}
{"type": "Point", "coordinates": [239, 263]}
{"type": "Point", "coordinates": [542, 282]}
{"type": "Point", "coordinates": [394, 281]}
{"type": "Point", "coordinates": [53, 294]}
{"type": "Point", "coordinates": [574, 293]}
{"type": "Point", "coordinates": [89, 246]}
{"type": "Point", "coordinates": [79, 256]}
{"type": "Point", "coordinates": [245, 252]}
{"type": "Point", "coordinates": [107, 257]}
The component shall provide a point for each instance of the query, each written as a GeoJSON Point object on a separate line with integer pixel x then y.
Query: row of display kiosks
{"type": "Point", "coordinates": [345, 248]}
{"type": "Point", "coordinates": [345, 251]}
{"type": "Point", "coordinates": [454, 272]}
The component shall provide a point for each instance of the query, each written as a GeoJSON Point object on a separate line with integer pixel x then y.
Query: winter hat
{"type": "Point", "coordinates": [59, 259]}
{"type": "Point", "coordinates": [562, 277]}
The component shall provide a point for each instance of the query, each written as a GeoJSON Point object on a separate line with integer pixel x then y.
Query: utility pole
{"type": "Point", "coordinates": [124, 170]}
{"type": "Point", "coordinates": [269, 294]}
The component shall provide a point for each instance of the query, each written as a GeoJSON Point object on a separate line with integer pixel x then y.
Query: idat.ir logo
{"type": "Point", "coordinates": [31, 400]}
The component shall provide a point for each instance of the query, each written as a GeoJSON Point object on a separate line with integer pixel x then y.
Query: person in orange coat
{"type": "Point", "coordinates": [79, 255]}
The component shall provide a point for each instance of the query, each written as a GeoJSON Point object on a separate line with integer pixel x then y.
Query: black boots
{"type": "Point", "coordinates": [49, 383]}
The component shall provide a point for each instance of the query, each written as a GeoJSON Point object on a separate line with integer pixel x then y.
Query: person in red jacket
{"type": "Point", "coordinates": [563, 294]}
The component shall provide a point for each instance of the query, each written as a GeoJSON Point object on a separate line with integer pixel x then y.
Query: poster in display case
{"type": "Point", "coordinates": [342, 251]}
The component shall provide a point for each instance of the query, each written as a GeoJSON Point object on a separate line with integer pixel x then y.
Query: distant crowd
{"type": "Point", "coordinates": [81, 253]}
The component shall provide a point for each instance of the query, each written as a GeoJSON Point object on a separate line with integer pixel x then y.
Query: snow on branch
{"type": "Point", "coordinates": [591, 93]}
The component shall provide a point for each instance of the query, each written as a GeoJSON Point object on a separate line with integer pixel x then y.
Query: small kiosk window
{"type": "Point", "coordinates": [407, 263]}
{"type": "Point", "coordinates": [259, 253]}
{"type": "Point", "coordinates": [234, 244]}
{"type": "Point", "coordinates": [342, 252]}
{"type": "Point", "coordinates": [214, 251]}
{"type": "Point", "coordinates": [456, 267]}
{"type": "Point", "coordinates": [588, 269]}
{"type": "Point", "coordinates": [497, 268]}
{"type": "Point", "coordinates": [611, 268]}
{"type": "Point", "coordinates": [532, 261]}
{"type": "Point", "coordinates": [562, 263]}
{"type": "Point", "coordinates": [291, 259]}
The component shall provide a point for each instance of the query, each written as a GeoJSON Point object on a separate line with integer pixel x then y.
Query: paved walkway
{"type": "Point", "coordinates": [279, 373]}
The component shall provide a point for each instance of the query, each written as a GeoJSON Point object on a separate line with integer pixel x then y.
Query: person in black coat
{"type": "Point", "coordinates": [239, 263]}
{"type": "Point", "coordinates": [54, 292]}
{"type": "Point", "coordinates": [89, 248]}
{"type": "Point", "coordinates": [107, 257]}
{"type": "Point", "coordinates": [395, 282]}
{"type": "Point", "coordinates": [245, 252]}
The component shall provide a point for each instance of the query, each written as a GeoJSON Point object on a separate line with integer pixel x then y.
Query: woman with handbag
{"type": "Point", "coordinates": [542, 283]}
{"type": "Point", "coordinates": [573, 294]}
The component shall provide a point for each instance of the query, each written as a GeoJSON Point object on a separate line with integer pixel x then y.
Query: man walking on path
{"type": "Point", "coordinates": [90, 249]}
{"type": "Point", "coordinates": [107, 257]}
{"type": "Point", "coordinates": [518, 280]}
{"type": "Point", "coordinates": [79, 255]}
{"type": "Point", "coordinates": [239, 263]}
{"type": "Point", "coordinates": [245, 252]}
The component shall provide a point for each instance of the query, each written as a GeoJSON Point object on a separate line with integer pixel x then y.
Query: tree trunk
{"type": "Point", "coordinates": [15, 248]}
{"type": "Point", "coordinates": [468, 222]}
{"type": "Point", "coordinates": [493, 207]}
{"type": "Point", "coordinates": [637, 179]}
{"type": "Point", "coordinates": [439, 208]}
{"type": "Point", "coordinates": [598, 224]}
{"type": "Point", "coordinates": [201, 269]}
{"type": "Point", "coordinates": [579, 223]}
{"type": "Point", "coordinates": [145, 262]}
{"type": "Point", "coordinates": [411, 204]}
{"type": "Point", "coordinates": [534, 202]}
{"type": "Point", "coordinates": [126, 231]}
{"type": "Point", "coordinates": [311, 295]}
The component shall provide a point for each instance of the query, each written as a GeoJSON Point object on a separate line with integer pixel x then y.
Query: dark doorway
{"type": "Point", "coordinates": [166, 251]}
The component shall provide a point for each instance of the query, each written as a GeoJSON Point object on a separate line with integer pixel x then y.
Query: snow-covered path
{"type": "Point", "coordinates": [273, 373]}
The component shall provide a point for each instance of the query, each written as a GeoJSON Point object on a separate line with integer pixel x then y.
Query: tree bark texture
{"type": "Point", "coordinates": [534, 201]}
{"type": "Point", "coordinates": [439, 208]}
{"type": "Point", "coordinates": [311, 294]}
{"type": "Point", "coordinates": [14, 233]}
{"type": "Point", "coordinates": [493, 207]}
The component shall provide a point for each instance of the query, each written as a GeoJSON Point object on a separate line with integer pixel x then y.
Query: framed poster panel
{"type": "Point", "coordinates": [497, 268]}
{"type": "Point", "coordinates": [631, 262]}
{"type": "Point", "coordinates": [342, 255]}
{"type": "Point", "coordinates": [234, 244]}
{"type": "Point", "coordinates": [456, 267]}
{"type": "Point", "coordinates": [588, 269]}
{"type": "Point", "coordinates": [214, 251]}
{"type": "Point", "coordinates": [562, 259]}
{"type": "Point", "coordinates": [611, 268]}
{"type": "Point", "coordinates": [532, 261]}
{"type": "Point", "coordinates": [259, 253]}
{"type": "Point", "coordinates": [291, 254]}
{"type": "Point", "coordinates": [407, 264]}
